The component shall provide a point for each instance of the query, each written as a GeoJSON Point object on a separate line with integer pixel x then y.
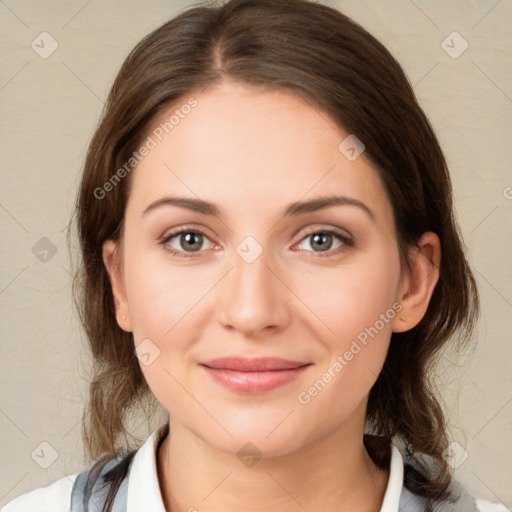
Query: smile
{"type": "Point", "coordinates": [253, 375]}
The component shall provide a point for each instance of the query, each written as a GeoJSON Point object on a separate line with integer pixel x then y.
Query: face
{"type": "Point", "coordinates": [261, 271]}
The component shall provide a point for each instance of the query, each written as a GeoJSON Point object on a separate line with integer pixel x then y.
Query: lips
{"type": "Point", "coordinates": [261, 364]}
{"type": "Point", "coordinates": [256, 375]}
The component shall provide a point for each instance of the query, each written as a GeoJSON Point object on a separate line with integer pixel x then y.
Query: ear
{"type": "Point", "coordinates": [112, 264]}
{"type": "Point", "coordinates": [418, 283]}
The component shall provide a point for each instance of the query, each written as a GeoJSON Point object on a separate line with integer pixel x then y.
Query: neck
{"type": "Point", "coordinates": [333, 473]}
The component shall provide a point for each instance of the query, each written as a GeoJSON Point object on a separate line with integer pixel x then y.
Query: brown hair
{"type": "Point", "coordinates": [318, 53]}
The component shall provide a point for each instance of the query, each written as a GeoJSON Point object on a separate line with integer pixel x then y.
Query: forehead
{"type": "Point", "coordinates": [239, 146]}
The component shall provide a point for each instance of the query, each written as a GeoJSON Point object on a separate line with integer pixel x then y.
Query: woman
{"type": "Point", "coordinates": [265, 216]}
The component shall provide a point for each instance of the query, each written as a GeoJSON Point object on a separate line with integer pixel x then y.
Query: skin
{"type": "Point", "coordinates": [253, 152]}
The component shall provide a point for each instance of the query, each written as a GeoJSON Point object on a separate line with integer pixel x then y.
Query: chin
{"type": "Point", "coordinates": [249, 448]}
{"type": "Point", "coordinates": [265, 438]}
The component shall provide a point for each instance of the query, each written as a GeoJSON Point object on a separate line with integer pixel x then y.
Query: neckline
{"type": "Point", "coordinates": [144, 486]}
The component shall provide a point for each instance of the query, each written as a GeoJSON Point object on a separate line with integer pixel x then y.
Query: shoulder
{"type": "Point", "coordinates": [67, 493]}
{"type": "Point", "coordinates": [459, 500]}
{"type": "Point", "coordinates": [107, 478]}
{"type": "Point", "coordinates": [462, 501]}
{"type": "Point", "coordinates": [55, 497]}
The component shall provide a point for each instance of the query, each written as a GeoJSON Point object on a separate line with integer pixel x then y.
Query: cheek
{"type": "Point", "coordinates": [167, 310]}
{"type": "Point", "coordinates": [161, 293]}
{"type": "Point", "coordinates": [165, 306]}
{"type": "Point", "coordinates": [170, 307]}
{"type": "Point", "coordinates": [354, 296]}
{"type": "Point", "coordinates": [357, 303]}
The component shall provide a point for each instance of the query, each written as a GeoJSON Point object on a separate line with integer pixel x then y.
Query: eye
{"type": "Point", "coordinates": [325, 241]}
{"type": "Point", "coordinates": [189, 243]}
{"type": "Point", "coordinates": [186, 241]}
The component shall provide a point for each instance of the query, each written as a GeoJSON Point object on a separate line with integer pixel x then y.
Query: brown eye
{"type": "Point", "coordinates": [186, 241]}
{"type": "Point", "coordinates": [322, 241]}
{"type": "Point", "coordinates": [190, 241]}
{"type": "Point", "coordinates": [326, 241]}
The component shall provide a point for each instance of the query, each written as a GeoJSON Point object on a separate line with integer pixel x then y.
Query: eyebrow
{"type": "Point", "coordinates": [293, 209]}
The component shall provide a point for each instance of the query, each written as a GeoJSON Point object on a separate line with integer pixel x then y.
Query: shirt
{"type": "Point", "coordinates": [144, 491]}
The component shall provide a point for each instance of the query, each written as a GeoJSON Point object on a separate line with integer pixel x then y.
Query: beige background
{"type": "Point", "coordinates": [49, 108]}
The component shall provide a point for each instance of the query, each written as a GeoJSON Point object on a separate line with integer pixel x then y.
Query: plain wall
{"type": "Point", "coordinates": [49, 109]}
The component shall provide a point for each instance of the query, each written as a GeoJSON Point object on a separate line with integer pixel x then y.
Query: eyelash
{"type": "Point", "coordinates": [346, 241]}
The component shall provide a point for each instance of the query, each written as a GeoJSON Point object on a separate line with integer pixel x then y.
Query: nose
{"type": "Point", "coordinates": [253, 298]}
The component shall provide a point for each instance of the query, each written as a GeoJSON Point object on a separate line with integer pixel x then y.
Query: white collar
{"type": "Point", "coordinates": [143, 487]}
{"type": "Point", "coordinates": [144, 490]}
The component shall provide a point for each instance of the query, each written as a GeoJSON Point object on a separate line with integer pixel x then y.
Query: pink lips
{"type": "Point", "coordinates": [253, 375]}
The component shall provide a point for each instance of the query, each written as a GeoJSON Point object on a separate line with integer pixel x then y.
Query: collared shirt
{"type": "Point", "coordinates": [144, 491]}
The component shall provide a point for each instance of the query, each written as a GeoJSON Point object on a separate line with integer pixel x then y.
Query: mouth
{"type": "Point", "coordinates": [253, 375]}
{"type": "Point", "coordinates": [259, 364]}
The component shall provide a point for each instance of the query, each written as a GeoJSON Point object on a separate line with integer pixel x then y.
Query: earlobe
{"type": "Point", "coordinates": [111, 262]}
{"type": "Point", "coordinates": [418, 286]}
